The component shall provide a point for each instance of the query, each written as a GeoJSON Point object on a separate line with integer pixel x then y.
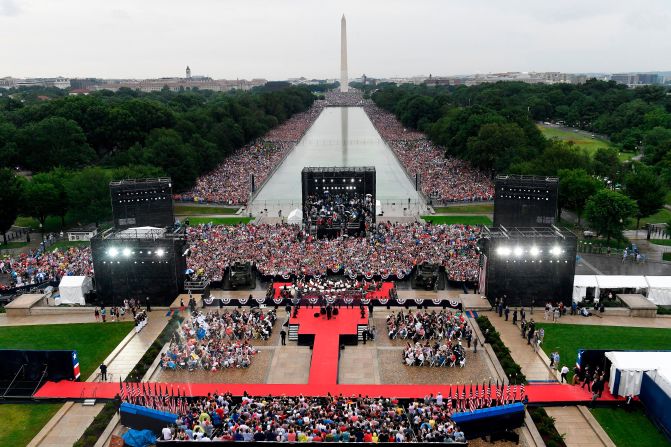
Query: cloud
{"type": "Point", "coordinates": [9, 8]}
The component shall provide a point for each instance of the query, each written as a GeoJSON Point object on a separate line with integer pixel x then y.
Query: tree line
{"type": "Point", "coordinates": [493, 126]}
{"type": "Point", "coordinates": [74, 145]}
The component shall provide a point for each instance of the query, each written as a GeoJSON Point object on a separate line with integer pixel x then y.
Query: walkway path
{"type": "Point", "coordinates": [568, 420]}
{"type": "Point", "coordinates": [67, 426]}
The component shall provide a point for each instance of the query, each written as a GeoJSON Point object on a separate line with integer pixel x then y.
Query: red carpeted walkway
{"type": "Point", "coordinates": [323, 376]}
{"type": "Point", "coordinates": [546, 394]}
{"type": "Point", "coordinates": [383, 293]}
{"type": "Point", "coordinates": [326, 349]}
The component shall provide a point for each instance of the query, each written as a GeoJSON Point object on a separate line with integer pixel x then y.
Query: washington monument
{"type": "Point", "coordinates": [344, 83]}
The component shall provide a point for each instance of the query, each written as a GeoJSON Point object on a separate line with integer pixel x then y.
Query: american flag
{"type": "Point", "coordinates": [522, 392]}
{"type": "Point", "coordinates": [75, 365]}
{"type": "Point", "coordinates": [507, 398]}
{"type": "Point", "coordinates": [482, 396]}
{"type": "Point", "coordinates": [463, 398]}
{"type": "Point", "coordinates": [498, 394]}
{"type": "Point", "coordinates": [489, 394]}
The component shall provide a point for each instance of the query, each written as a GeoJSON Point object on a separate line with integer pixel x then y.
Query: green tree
{"type": "Point", "coordinates": [647, 189]}
{"type": "Point", "coordinates": [88, 195]}
{"type": "Point", "coordinates": [576, 186]}
{"type": "Point", "coordinates": [11, 189]}
{"type": "Point", "coordinates": [606, 163]}
{"type": "Point", "coordinates": [52, 142]}
{"type": "Point", "coordinates": [495, 146]}
{"type": "Point", "coordinates": [39, 199]}
{"type": "Point", "coordinates": [608, 212]}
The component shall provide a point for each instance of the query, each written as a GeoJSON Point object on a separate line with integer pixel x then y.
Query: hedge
{"type": "Point", "coordinates": [546, 427]}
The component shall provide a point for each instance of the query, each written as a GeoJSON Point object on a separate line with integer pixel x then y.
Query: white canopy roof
{"type": "Point", "coordinates": [659, 282]}
{"type": "Point", "coordinates": [585, 281]}
{"type": "Point", "coordinates": [640, 360]}
{"type": "Point", "coordinates": [295, 217]}
{"type": "Point", "coordinates": [73, 288]}
{"type": "Point", "coordinates": [621, 281]}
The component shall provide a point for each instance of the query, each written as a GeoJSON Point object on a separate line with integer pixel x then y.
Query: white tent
{"type": "Point", "coordinates": [295, 217]}
{"type": "Point", "coordinates": [659, 290]}
{"type": "Point", "coordinates": [621, 282]}
{"type": "Point", "coordinates": [73, 288]}
{"type": "Point", "coordinates": [627, 368]}
{"type": "Point", "coordinates": [580, 285]}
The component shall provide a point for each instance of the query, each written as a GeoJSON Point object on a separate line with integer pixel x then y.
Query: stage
{"type": "Point", "coordinates": [382, 294]}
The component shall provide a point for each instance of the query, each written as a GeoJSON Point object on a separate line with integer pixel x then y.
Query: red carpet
{"type": "Point", "coordinates": [383, 293]}
{"type": "Point", "coordinates": [547, 394]}
{"type": "Point", "coordinates": [325, 353]}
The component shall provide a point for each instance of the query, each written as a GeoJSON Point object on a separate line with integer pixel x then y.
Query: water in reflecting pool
{"type": "Point", "coordinates": [341, 136]}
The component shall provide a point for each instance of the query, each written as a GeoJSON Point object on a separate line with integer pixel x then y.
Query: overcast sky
{"type": "Point", "coordinates": [278, 39]}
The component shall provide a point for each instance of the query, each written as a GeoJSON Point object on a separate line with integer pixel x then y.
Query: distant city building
{"type": "Point", "coordinates": [636, 79]}
{"type": "Point", "coordinates": [188, 72]}
{"type": "Point", "coordinates": [58, 82]}
{"type": "Point", "coordinates": [182, 84]}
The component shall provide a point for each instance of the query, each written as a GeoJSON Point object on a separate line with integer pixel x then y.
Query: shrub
{"type": "Point", "coordinates": [546, 427]}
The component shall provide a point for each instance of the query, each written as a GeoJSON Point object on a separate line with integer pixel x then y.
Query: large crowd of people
{"type": "Point", "coordinates": [217, 340]}
{"type": "Point", "coordinates": [42, 265]}
{"type": "Point", "coordinates": [443, 179]}
{"type": "Point", "coordinates": [285, 250]}
{"type": "Point", "coordinates": [434, 338]}
{"type": "Point", "coordinates": [339, 209]}
{"type": "Point", "coordinates": [313, 419]}
{"type": "Point", "coordinates": [230, 182]}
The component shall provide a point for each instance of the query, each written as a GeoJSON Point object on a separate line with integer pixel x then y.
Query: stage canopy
{"type": "Point", "coordinates": [627, 368]}
{"type": "Point", "coordinates": [73, 288]}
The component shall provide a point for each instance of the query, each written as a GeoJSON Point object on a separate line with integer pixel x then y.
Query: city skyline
{"type": "Point", "coordinates": [281, 40]}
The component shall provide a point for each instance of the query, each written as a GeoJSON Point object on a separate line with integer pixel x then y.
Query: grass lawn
{"type": "Point", "coordinates": [219, 220]}
{"type": "Point", "coordinates": [568, 338]}
{"type": "Point", "coordinates": [479, 208]}
{"type": "Point", "coordinates": [194, 210]}
{"type": "Point", "coordinates": [23, 421]}
{"type": "Point", "coordinates": [666, 256]}
{"type": "Point", "coordinates": [629, 428]}
{"type": "Point", "coordinates": [93, 341]}
{"type": "Point", "coordinates": [661, 216]}
{"type": "Point", "coordinates": [464, 220]}
{"type": "Point", "coordinates": [13, 245]}
{"type": "Point", "coordinates": [580, 139]}
{"type": "Point", "coordinates": [67, 244]}
{"type": "Point", "coordinates": [666, 242]}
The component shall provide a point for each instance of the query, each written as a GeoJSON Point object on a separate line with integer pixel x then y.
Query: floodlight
{"type": "Point", "coordinates": [113, 252]}
{"type": "Point", "coordinates": [160, 252]}
{"type": "Point", "coordinates": [534, 251]}
{"type": "Point", "coordinates": [126, 252]}
{"type": "Point", "coordinates": [556, 250]}
{"type": "Point", "coordinates": [518, 251]}
{"type": "Point", "coordinates": [503, 251]}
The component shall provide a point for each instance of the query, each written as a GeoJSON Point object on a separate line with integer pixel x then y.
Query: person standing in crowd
{"type": "Point", "coordinates": [283, 337]}
{"type": "Point", "coordinates": [564, 373]}
{"type": "Point", "coordinates": [103, 313]}
{"type": "Point", "coordinates": [515, 317]}
{"type": "Point", "coordinates": [96, 313]}
{"type": "Point", "coordinates": [148, 302]}
{"type": "Point", "coordinates": [507, 312]}
{"type": "Point", "coordinates": [103, 372]}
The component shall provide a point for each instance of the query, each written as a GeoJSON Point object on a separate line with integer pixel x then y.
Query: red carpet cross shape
{"type": "Point", "coordinates": [326, 349]}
